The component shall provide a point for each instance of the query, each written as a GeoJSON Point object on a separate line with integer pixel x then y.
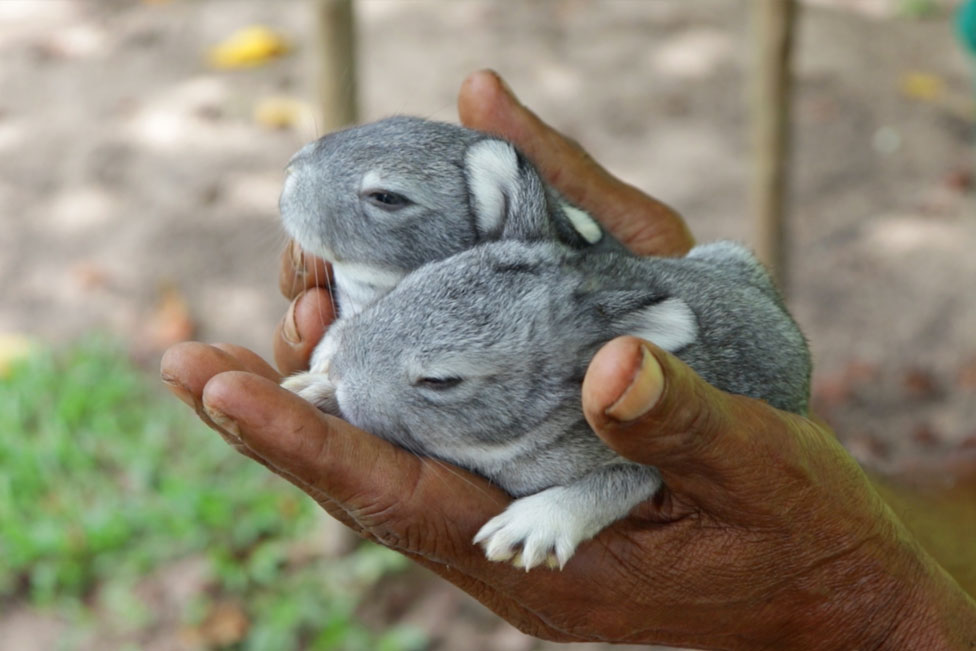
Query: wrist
{"type": "Point", "coordinates": [891, 595]}
{"type": "Point", "coordinates": [938, 614]}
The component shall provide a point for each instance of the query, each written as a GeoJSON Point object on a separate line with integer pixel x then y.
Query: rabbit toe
{"type": "Point", "coordinates": [533, 531]}
{"type": "Point", "coordinates": [315, 388]}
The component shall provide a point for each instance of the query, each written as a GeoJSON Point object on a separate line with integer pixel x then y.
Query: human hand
{"type": "Point", "coordinates": [767, 534]}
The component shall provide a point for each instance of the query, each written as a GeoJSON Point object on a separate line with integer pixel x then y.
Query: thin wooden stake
{"type": "Point", "coordinates": [336, 60]}
{"type": "Point", "coordinates": [773, 22]}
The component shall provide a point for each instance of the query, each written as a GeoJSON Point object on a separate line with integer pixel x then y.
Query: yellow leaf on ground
{"type": "Point", "coordinates": [279, 112]}
{"type": "Point", "coordinates": [922, 86]}
{"type": "Point", "coordinates": [13, 348]}
{"type": "Point", "coordinates": [248, 47]}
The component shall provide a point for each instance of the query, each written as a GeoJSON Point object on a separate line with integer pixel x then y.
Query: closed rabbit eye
{"type": "Point", "coordinates": [387, 200]}
{"type": "Point", "coordinates": [438, 383]}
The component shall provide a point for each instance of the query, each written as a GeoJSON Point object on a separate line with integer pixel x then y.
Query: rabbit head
{"type": "Point", "coordinates": [479, 358]}
{"type": "Point", "coordinates": [394, 194]}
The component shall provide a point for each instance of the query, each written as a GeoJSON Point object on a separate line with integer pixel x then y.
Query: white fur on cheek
{"type": "Point", "coordinates": [492, 169]}
{"type": "Point", "coordinates": [583, 223]}
{"type": "Point", "coordinates": [362, 284]}
{"type": "Point", "coordinates": [669, 324]}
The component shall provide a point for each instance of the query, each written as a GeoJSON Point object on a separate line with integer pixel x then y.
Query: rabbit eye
{"type": "Point", "coordinates": [438, 383]}
{"type": "Point", "coordinates": [387, 200]}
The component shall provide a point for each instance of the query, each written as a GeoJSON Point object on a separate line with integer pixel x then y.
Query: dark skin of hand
{"type": "Point", "coordinates": [768, 534]}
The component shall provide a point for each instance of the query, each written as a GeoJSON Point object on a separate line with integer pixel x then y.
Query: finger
{"type": "Point", "coordinates": [249, 361]}
{"type": "Point", "coordinates": [652, 408]}
{"type": "Point", "coordinates": [428, 510]}
{"type": "Point", "coordinates": [187, 367]}
{"type": "Point", "coordinates": [298, 332]}
{"type": "Point", "coordinates": [301, 271]}
{"type": "Point", "coordinates": [643, 223]}
{"type": "Point", "coordinates": [401, 500]}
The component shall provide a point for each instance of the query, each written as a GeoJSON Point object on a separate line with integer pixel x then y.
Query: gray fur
{"type": "Point", "coordinates": [328, 203]}
{"type": "Point", "coordinates": [478, 360]}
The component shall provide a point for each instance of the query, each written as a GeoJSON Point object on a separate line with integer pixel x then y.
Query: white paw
{"type": "Point", "coordinates": [314, 387]}
{"type": "Point", "coordinates": [540, 528]}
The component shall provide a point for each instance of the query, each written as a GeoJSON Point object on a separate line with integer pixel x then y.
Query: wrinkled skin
{"type": "Point", "coordinates": [768, 534]}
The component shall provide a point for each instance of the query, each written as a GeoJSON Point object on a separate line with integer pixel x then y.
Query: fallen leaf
{"type": "Point", "coordinates": [170, 321]}
{"type": "Point", "coordinates": [919, 383]}
{"type": "Point", "coordinates": [248, 47]}
{"type": "Point", "coordinates": [966, 377]}
{"type": "Point", "coordinates": [90, 275]}
{"type": "Point", "coordinates": [960, 180]}
{"type": "Point", "coordinates": [922, 86]}
{"type": "Point", "coordinates": [926, 436]}
{"type": "Point", "coordinates": [281, 112]}
{"type": "Point", "coordinates": [13, 348]}
{"type": "Point", "coordinates": [226, 624]}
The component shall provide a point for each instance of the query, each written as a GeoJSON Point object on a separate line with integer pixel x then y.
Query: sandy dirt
{"type": "Point", "coordinates": [134, 176]}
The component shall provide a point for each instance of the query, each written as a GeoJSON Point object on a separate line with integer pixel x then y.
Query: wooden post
{"type": "Point", "coordinates": [336, 58]}
{"type": "Point", "coordinates": [773, 36]}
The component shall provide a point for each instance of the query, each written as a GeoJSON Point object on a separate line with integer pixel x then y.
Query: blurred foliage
{"type": "Point", "coordinates": [105, 479]}
{"type": "Point", "coordinates": [918, 8]}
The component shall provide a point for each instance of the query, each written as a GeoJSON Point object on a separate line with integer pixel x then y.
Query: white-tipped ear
{"type": "Point", "coordinates": [585, 225]}
{"type": "Point", "coordinates": [669, 324]}
{"type": "Point", "coordinates": [492, 174]}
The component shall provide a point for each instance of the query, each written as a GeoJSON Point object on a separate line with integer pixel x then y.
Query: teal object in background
{"type": "Point", "coordinates": [966, 25]}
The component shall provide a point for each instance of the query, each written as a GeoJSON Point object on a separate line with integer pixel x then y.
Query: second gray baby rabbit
{"type": "Point", "coordinates": [381, 199]}
{"type": "Point", "coordinates": [478, 360]}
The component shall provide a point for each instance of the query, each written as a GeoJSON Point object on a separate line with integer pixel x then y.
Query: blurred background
{"type": "Point", "coordinates": [142, 147]}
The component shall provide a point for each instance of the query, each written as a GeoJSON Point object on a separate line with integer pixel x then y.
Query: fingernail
{"type": "Point", "coordinates": [289, 328]}
{"type": "Point", "coordinates": [297, 258]}
{"type": "Point", "coordinates": [643, 392]}
{"type": "Point", "coordinates": [179, 391]}
{"type": "Point", "coordinates": [221, 420]}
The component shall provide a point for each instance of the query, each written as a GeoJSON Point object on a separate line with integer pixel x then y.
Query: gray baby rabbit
{"type": "Point", "coordinates": [381, 199]}
{"type": "Point", "coordinates": [478, 360]}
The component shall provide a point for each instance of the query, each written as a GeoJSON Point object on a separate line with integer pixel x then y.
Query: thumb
{"type": "Point", "coordinates": [652, 408]}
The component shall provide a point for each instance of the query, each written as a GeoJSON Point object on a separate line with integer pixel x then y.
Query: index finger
{"type": "Point", "coordinates": [301, 271]}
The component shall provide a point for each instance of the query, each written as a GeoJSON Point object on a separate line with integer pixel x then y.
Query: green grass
{"type": "Point", "coordinates": [105, 478]}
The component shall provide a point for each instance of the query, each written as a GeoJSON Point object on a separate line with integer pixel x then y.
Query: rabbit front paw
{"type": "Point", "coordinates": [315, 388]}
{"type": "Point", "coordinates": [542, 528]}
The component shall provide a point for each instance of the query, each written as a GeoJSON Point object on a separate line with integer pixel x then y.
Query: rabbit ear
{"type": "Point", "coordinates": [493, 174]}
{"type": "Point", "coordinates": [668, 322]}
{"type": "Point", "coordinates": [508, 198]}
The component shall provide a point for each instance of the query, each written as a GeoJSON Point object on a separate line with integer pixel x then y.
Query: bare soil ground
{"type": "Point", "coordinates": [134, 178]}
